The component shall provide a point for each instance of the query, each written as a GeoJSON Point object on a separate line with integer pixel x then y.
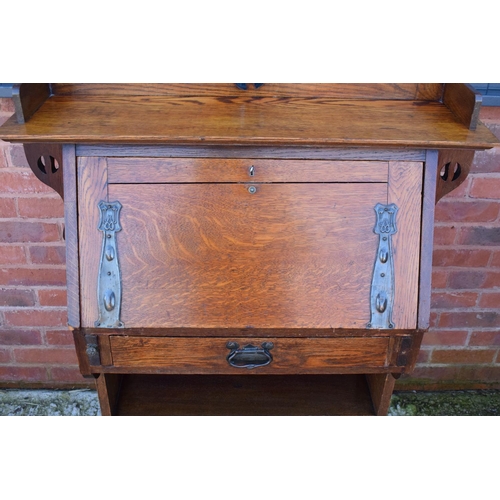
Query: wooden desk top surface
{"type": "Point", "coordinates": [247, 120]}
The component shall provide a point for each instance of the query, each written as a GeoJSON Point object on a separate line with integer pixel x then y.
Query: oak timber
{"type": "Point", "coordinates": [247, 121]}
{"type": "Point", "coordinates": [143, 395]}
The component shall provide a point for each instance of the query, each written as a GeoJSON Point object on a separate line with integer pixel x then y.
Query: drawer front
{"type": "Point", "coordinates": [266, 356]}
{"type": "Point", "coordinates": [215, 170]}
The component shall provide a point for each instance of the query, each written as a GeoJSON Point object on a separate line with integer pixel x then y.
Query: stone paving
{"type": "Point", "coordinates": [84, 403]}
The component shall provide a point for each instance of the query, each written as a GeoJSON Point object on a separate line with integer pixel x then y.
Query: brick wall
{"type": "Point", "coordinates": [460, 350]}
{"type": "Point", "coordinates": [36, 348]}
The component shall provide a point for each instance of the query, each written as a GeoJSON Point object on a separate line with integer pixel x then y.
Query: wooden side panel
{"type": "Point", "coordinates": [28, 97]}
{"type": "Point", "coordinates": [108, 390]}
{"type": "Point", "coordinates": [381, 386]}
{"type": "Point", "coordinates": [92, 188]}
{"type": "Point", "coordinates": [464, 102]}
{"type": "Point", "coordinates": [218, 256]}
{"type": "Point", "coordinates": [429, 91]}
{"type": "Point", "coordinates": [405, 190]}
{"type": "Point", "coordinates": [336, 90]}
{"type": "Point", "coordinates": [426, 245]}
{"type": "Point", "coordinates": [180, 170]}
{"type": "Point", "coordinates": [201, 355]}
{"type": "Point", "coordinates": [71, 235]}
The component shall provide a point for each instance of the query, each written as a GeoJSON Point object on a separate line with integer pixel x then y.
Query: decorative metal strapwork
{"type": "Point", "coordinates": [382, 291]}
{"type": "Point", "coordinates": [109, 283]}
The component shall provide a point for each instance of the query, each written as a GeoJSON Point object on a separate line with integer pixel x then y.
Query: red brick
{"type": "Point", "coordinates": [485, 338]}
{"type": "Point", "coordinates": [445, 337]}
{"type": "Point", "coordinates": [463, 356]}
{"type": "Point", "coordinates": [41, 208]}
{"type": "Point", "coordinates": [10, 254]}
{"type": "Point", "coordinates": [444, 235]}
{"type": "Point", "coordinates": [33, 277]}
{"type": "Point", "coordinates": [51, 355]}
{"type": "Point", "coordinates": [20, 337]}
{"type": "Point", "coordinates": [48, 255]}
{"type": "Point", "coordinates": [433, 319]}
{"type": "Point", "coordinates": [461, 191]}
{"type": "Point", "coordinates": [11, 297]}
{"type": "Point", "coordinates": [486, 187]}
{"type": "Point", "coordinates": [22, 182]}
{"type": "Point", "coordinates": [53, 317]}
{"type": "Point", "coordinates": [479, 236]}
{"type": "Point", "coordinates": [492, 279]}
{"type": "Point", "coordinates": [60, 337]}
{"type": "Point", "coordinates": [463, 211]}
{"type": "Point", "coordinates": [52, 297]}
{"type": "Point", "coordinates": [23, 374]}
{"type": "Point", "coordinates": [471, 319]}
{"type": "Point", "coordinates": [439, 278]}
{"type": "Point", "coordinates": [452, 300]}
{"type": "Point", "coordinates": [23, 232]}
{"type": "Point", "coordinates": [461, 258]}
{"type": "Point", "coordinates": [486, 161]}
{"type": "Point", "coordinates": [5, 355]}
{"type": "Point", "coordinates": [59, 374]}
{"type": "Point", "coordinates": [7, 105]}
{"type": "Point", "coordinates": [495, 261]}
{"type": "Point", "coordinates": [3, 148]}
{"type": "Point", "coordinates": [7, 208]}
{"type": "Point", "coordinates": [16, 156]}
{"type": "Point", "coordinates": [490, 300]}
{"type": "Point", "coordinates": [423, 356]}
{"type": "Point", "coordinates": [467, 279]}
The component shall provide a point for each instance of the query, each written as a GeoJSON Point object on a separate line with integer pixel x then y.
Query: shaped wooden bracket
{"type": "Point", "coordinates": [453, 169]}
{"type": "Point", "coordinates": [45, 160]}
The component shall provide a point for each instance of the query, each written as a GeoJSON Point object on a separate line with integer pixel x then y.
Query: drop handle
{"type": "Point", "coordinates": [249, 356]}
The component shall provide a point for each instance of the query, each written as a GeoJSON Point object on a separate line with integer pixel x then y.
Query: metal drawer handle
{"type": "Point", "coordinates": [249, 356]}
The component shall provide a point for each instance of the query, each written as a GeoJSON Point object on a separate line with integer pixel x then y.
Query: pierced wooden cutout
{"type": "Point", "coordinates": [453, 169]}
{"type": "Point", "coordinates": [45, 160]}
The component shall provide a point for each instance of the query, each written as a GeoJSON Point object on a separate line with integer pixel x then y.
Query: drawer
{"type": "Point", "coordinates": [215, 170]}
{"type": "Point", "coordinates": [266, 355]}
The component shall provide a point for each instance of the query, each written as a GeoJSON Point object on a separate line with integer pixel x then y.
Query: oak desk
{"type": "Point", "coordinates": [216, 233]}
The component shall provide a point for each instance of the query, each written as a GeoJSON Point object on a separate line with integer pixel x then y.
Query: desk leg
{"type": "Point", "coordinates": [381, 386]}
{"type": "Point", "coordinates": [108, 390]}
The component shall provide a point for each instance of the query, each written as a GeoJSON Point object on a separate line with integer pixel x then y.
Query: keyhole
{"type": "Point", "coordinates": [251, 171]}
{"type": "Point", "coordinates": [48, 163]}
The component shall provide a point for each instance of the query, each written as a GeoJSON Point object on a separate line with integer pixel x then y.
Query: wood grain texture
{"type": "Point", "coordinates": [92, 188]}
{"type": "Point", "coordinates": [427, 239]}
{"type": "Point", "coordinates": [216, 256]}
{"type": "Point", "coordinates": [81, 346]}
{"type": "Point", "coordinates": [403, 91]}
{"type": "Point", "coordinates": [191, 170]}
{"type": "Point", "coordinates": [381, 386]}
{"type": "Point", "coordinates": [105, 350]}
{"type": "Point", "coordinates": [294, 356]}
{"type": "Point", "coordinates": [464, 102]}
{"type": "Point", "coordinates": [448, 178]}
{"type": "Point", "coordinates": [405, 190]}
{"type": "Point", "coordinates": [46, 162]}
{"type": "Point", "coordinates": [71, 235]}
{"type": "Point", "coordinates": [27, 98]}
{"type": "Point", "coordinates": [108, 391]}
{"type": "Point", "coordinates": [247, 121]}
{"type": "Point", "coordinates": [296, 153]}
{"type": "Point", "coordinates": [244, 395]}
